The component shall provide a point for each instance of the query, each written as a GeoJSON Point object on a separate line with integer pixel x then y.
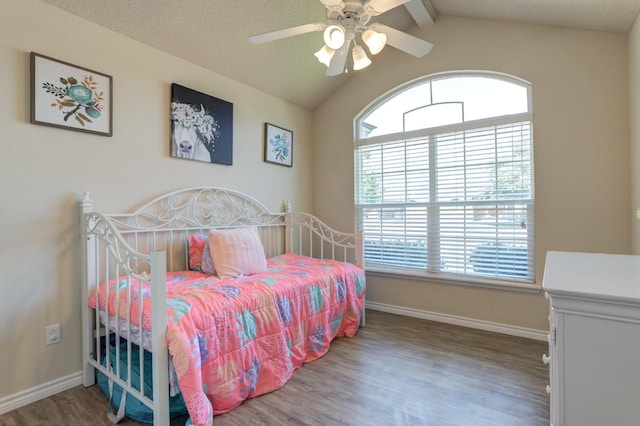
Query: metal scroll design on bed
{"type": "Point", "coordinates": [138, 249]}
{"type": "Point", "coordinates": [199, 208]}
{"type": "Point", "coordinates": [195, 210]}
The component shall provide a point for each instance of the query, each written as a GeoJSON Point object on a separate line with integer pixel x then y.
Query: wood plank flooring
{"type": "Point", "coordinates": [396, 371]}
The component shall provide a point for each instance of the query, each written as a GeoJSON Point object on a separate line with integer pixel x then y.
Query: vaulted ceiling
{"type": "Point", "coordinates": [214, 33]}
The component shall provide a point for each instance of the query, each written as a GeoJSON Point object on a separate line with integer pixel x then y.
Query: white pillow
{"type": "Point", "coordinates": [237, 251]}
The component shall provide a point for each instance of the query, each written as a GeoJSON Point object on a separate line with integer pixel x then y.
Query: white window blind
{"type": "Point", "coordinates": [457, 202]}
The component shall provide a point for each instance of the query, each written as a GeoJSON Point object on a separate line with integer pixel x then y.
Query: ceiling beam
{"type": "Point", "coordinates": [422, 12]}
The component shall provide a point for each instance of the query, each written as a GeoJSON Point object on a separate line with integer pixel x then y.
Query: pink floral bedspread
{"type": "Point", "coordinates": [239, 338]}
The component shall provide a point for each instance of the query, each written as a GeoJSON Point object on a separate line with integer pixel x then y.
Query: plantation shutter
{"type": "Point", "coordinates": [456, 202]}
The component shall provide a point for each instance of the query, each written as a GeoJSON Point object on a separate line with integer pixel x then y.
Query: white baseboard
{"type": "Point", "coordinates": [45, 390]}
{"type": "Point", "coordinates": [529, 333]}
{"type": "Point", "coordinates": [53, 387]}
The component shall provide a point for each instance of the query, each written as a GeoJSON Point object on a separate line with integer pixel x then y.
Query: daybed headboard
{"type": "Point", "coordinates": [165, 223]}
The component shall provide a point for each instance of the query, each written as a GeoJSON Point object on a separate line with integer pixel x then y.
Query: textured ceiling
{"type": "Point", "coordinates": [214, 33]}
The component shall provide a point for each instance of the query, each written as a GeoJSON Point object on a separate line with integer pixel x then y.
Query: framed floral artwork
{"type": "Point", "coordinates": [201, 126]}
{"type": "Point", "coordinates": [70, 97]}
{"type": "Point", "coordinates": [278, 145]}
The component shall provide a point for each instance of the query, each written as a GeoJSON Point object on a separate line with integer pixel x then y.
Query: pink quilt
{"type": "Point", "coordinates": [239, 338]}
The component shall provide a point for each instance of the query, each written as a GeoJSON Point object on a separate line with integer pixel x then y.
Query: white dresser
{"type": "Point", "coordinates": [594, 340]}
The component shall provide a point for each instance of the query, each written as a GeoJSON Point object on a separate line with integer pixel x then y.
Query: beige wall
{"type": "Point", "coordinates": [43, 169]}
{"type": "Point", "coordinates": [581, 147]}
{"type": "Point", "coordinates": [634, 111]}
{"type": "Point", "coordinates": [581, 131]}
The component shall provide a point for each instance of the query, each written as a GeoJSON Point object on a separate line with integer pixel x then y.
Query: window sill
{"type": "Point", "coordinates": [431, 277]}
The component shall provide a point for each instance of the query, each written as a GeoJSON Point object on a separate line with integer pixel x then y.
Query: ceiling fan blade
{"type": "Point", "coordinates": [423, 13]}
{"type": "Point", "coordinates": [403, 41]}
{"type": "Point", "coordinates": [333, 4]}
{"type": "Point", "coordinates": [378, 7]}
{"type": "Point", "coordinates": [339, 60]}
{"type": "Point", "coordinates": [287, 32]}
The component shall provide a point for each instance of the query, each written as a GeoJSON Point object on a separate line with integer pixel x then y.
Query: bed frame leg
{"type": "Point", "coordinates": [159, 354]}
{"type": "Point", "coordinates": [88, 375]}
{"type": "Point", "coordinates": [88, 284]}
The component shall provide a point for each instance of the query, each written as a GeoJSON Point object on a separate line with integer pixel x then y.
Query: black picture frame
{"type": "Point", "coordinates": [278, 145]}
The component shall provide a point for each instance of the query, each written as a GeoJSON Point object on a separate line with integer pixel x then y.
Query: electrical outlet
{"type": "Point", "coordinates": [52, 334]}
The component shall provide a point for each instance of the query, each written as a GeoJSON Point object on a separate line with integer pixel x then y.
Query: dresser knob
{"type": "Point", "coordinates": [545, 359]}
{"type": "Point", "coordinates": [548, 389]}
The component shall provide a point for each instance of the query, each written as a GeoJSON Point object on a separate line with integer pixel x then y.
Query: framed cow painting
{"type": "Point", "coordinates": [201, 126]}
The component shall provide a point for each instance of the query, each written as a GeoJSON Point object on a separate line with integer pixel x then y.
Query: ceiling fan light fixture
{"type": "Point", "coordinates": [375, 41]}
{"type": "Point", "coordinates": [324, 55]}
{"type": "Point", "coordinates": [360, 59]}
{"type": "Point", "coordinates": [334, 36]}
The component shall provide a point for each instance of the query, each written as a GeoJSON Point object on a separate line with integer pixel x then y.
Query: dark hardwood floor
{"type": "Point", "coordinates": [396, 371]}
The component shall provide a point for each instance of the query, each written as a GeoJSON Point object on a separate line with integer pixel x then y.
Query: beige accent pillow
{"type": "Point", "coordinates": [237, 251]}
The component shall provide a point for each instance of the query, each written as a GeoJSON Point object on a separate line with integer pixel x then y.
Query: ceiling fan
{"type": "Point", "coordinates": [345, 20]}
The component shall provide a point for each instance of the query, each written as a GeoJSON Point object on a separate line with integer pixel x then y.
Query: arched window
{"type": "Point", "coordinates": [444, 178]}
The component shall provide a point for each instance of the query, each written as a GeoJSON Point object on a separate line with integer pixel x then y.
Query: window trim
{"type": "Point", "coordinates": [376, 269]}
{"type": "Point", "coordinates": [443, 278]}
{"type": "Point", "coordinates": [448, 74]}
{"type": "Point", "coordinates": [433, 131]}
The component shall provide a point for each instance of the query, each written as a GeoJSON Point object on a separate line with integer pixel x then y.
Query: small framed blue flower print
{"type": "Point", "coordinates": [70, 97]}
{"type": "Point", "coordinates": [278, 145]}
